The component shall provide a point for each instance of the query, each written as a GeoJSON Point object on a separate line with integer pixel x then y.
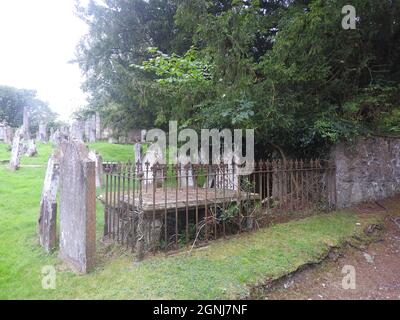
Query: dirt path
{"type": "Point", "coordinates": [377, 267]}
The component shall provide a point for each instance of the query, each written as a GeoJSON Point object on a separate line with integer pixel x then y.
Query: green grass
{"type": "Point", "coordinates": [225, 269]}
{"type": "Point", "coordinates": [4, 154]}
{"type": "Point", "coordinates": [114, 152]}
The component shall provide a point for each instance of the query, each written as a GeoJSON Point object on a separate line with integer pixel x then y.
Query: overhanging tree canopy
{"type": "Point", "coordinates": [285, 68]}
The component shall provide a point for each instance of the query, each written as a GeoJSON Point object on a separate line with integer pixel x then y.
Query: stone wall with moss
{"type": "Point", "coordinates": [367, 170]}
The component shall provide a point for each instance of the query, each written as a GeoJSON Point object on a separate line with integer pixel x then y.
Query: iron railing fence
{"type": "Point", "coordinates": [165, 207]}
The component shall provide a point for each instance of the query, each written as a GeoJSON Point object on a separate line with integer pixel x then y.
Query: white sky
{"type": "Point", "coordinates": [37, 39]}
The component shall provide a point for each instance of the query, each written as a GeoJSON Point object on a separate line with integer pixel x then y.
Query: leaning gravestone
{"type": "Point", "coordinates": [16, 150]}
{"type": "Point", "coordinates": [77, 207]}
{"type": "Point", "coordinates": [48, 205]}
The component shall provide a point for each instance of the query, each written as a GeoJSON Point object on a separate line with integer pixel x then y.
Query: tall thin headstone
{"type": "Point", "coordinates": [56, 137]}
{"type": "Point", "coordinates": [143, 136]}
{"type": "Point", "coordinates": [2, 131]}
{"type": "Point", "coordinates": [152, 157]}
{"type": "Point", "coordinates": [94, 156]}
{"type": "Point", "coordinates": [137, 149]}
{"type": "Point", "coordinates": [8, 135]}
{"type": "Point", "coordinates": [47, 223]}
{"type": "Point", "coordinates": [77, 207]}
{"type": "Point", "coordinates": [87, 130]}
{"type": "Point", "coordinates": [42, 134]}
{"type": "Point", "coordinates": [92, 134]}
{"type": "Point", "coordinates": [98, 127]}
{"type": "Point", "coordinates": [77, 130]}
{"type": "Point", "coordinates": [90, 129]}
{"type": "Point", "coordinates": [16, 151]}
{"type": "Point", "coordinates": [26, 125]}
{"type": "Point", "coordinates": [186, 178]}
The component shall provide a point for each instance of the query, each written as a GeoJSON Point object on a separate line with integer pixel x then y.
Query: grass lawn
{"type": "Point", "coordinates": [226, 269]}
{"type": "Point", "coordinates": [114, 152]}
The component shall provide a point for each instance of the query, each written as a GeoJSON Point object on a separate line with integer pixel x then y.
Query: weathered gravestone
{"type": "Point", "coordinates": [55, 136]}
{"type": "Point", "coordinates": [137, 149]}
{"type": "Point", "coordinates": [26, 125]}
{"type": "Point", "coordinates": [2, 131]}
{"type": "Point", "coordinates": [31, 149]}
{"type": "Point", "coordinates": [112, 140]}
{"type": "Point", "coordinates": [42, 133]}
{"type": "Point", "coordinates": [98, 126]}
{"type": "Point", "coordinates": [90, 129]}
{"type": "Point", "coordinates": [48, 205]}
{"type": "Point", "coordinates": [8, 135]}
{"type": "Point", "coordinates": [58, 137]}
{"type": "Point", "coordinates": [98, 160]}
{"type": "Point", "coordinates": [152, 157]}
{"type": "Point", "coordinates": [77, 130]}
{"type": "Point", "coordinates": [143, 136]}
{"type": "Point", "coordinates": [16, 151]}
{"type": "Point", "coordinates": [185, 174]}
{"type": "Point", "coordinates": [77, 207]}
{"type": "Point", "coordinates": [65, 132]}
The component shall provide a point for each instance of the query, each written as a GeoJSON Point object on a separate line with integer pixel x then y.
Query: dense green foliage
{"type": "Point", "coordinates": [12, 104]}
{"type": "Point", "coordinates": [285, 68]}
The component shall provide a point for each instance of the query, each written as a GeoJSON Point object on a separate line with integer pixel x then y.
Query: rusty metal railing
{"type": "Point", "coordinates": [167, 207]}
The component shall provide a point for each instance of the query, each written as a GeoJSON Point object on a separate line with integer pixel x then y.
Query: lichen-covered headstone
{"type": "Point", "coordinates": [77, 207]}
{"type": "Point", "coordinates": [48, 205]}
{"type": "Point", "coordinates": [16, 150]}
